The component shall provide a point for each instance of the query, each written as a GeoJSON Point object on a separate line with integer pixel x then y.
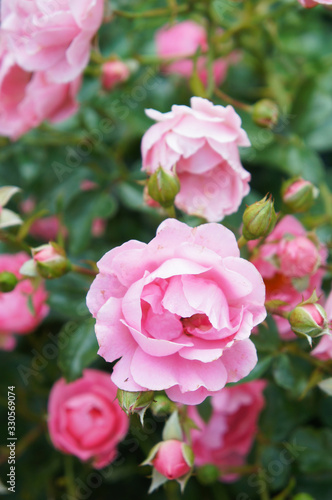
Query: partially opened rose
{"type": "Point", "coordinates": [226, 438]}
{"type": "Point", "coordinates": [313, 3]}
{"type": "Point", "coordinates": [22, 309]}
{"type": "Point", "coordinates": [201, 142]}
{"type": "Point", "coordinates": [178, 311]}
{"type": "Point", "coordinates": [51, 36]}
{"type": "Point", "coordinates": [85, 419]}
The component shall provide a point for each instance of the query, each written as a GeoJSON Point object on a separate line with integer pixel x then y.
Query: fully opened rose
{"type": "Point", "coordinates": [201, 142]}
{"type": "Point", "coordinates": [178, 311]}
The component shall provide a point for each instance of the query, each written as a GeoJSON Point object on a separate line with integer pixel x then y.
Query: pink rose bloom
{"type": "Point", "coordinates": [323, 350]}
{"type": "Point", "coordinates": [202, 142]}
{"type": "Point", "coordinates": [27, 99]}
{"type": "Point", "coordinates": [289, 263]}
{"type": "Point", "coordinates": [85, 419]}
{"type": "Point", "coordinates": [113, 73]}
{"type": "Point", "coordinates": [226, 439]}
{"type": "Point", "coordinates": [313, 3]}
{"type": "Point", "coordinates": [178, 311]}
{"type": "Point", "coordinates": [53, 40]}
{"type": "Point", "coordinates": [18, 301]}
{"type": "Point", "coordinates": [183, 40]}
{"type": "Point", "coordinates": [169, 460]}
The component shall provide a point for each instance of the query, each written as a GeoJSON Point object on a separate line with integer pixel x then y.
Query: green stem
{"type": "Point", "coordinates": [162, 12]}
{"type": "Point", "coordinates": [229, 100]}
{"type": "Point", "coordinates": [241, 242]}
{"type": "Point", "coordinates": [83, 270]}
{"type": "Point", "coordinates": [70, 477]}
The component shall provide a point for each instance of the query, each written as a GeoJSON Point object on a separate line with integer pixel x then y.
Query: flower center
{"type": "Point", "coordinates": [195, 322]}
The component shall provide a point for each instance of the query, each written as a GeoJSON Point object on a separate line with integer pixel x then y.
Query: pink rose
{"type": "Point", "coordinates": [178, 311]}
{"type": "Point", "coordinates": [18, 301]}
{"type": "Point", "coordinates": [202, 142]}
{"type": "Point", "coordinates": [84, 418]}
{"type": "Point", "coordinates": [52, 37]}
{"type": "Point", "coordinates": [313, 3]}
{"type": "Point", "coordinates": [289, 263]}
{"type": "Point", "coordinates": [114, 72]}
{"type": "Point", "coordinates": [170, 461]}
{"type": "Point", "coordinates": [47, 228]}
{"type": "Point", "coordinates": [323, 350]}
{"type": "Point", "coordinates": [226, 439]}
{"type": "Point", "coordinates": [27, 99]}
{"type": "Point", "coordinates": [184, 39]}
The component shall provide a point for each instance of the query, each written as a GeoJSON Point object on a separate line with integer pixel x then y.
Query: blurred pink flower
{"type": "Point", "coordinates": [113, 73]}
{"type": "Point", "coordinates": [226, 439]}
{"type": "Point", "coordinates": [16, 316]}
{"type": "Point", "coordinates": [323, 350]}
{"type": "Point", "coordinates": [27, 99]}
{"type": "Point", "coordinates": [184, 39]}
{"type": "Point", "coordinates": [289, 263]}
{"type": "Point", "coordinates": [178, 311]}
{"type": "Point", "coordinates": [53, 40]}
{"type": "Point", "coordinates": [202, 143]}
{"type": "Point", "coordinates": [85, 419]}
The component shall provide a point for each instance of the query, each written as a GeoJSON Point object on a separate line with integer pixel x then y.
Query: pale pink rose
{"type": "Point", "coordinates": [16, 317]}
{"type": "Point", "coordinates": [53, 37]}
{"type": "Point", "coordinates": [47, 228]}
{"type": "Point", "coordinates": [27, 99]}
{"type": "Point", "coordinates": [85, 419]}
{"type": "Point", "coordinates": [178, 311]}
{"type": "Point", "coordinates": [289, 263]}
{"type": "Point", "coordinates": [323, 350]}
{"type": "Point", "coordinates": [113, 73]}
{"type": "Point", "coordinates": [169, 460]}
{"type": "Point", "coordinates": [312, 3]}
{"type": "Point", "coordinates": [184, 39]}
{"type": "Point", "coordinates": [226, 439]}
{"type": "Point", "coordinates": [202, 142]}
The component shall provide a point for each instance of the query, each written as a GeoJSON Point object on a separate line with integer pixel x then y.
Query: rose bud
{"type": "Point", "coordinates": [259, 219]}
{"type": "Point", "coordinates": [51, 261]}
{"type": "Point", "coordinates": [8, 282]}
{"type": "Point", "coordinates": [171, 459]}
{"type": "Point", "coordinates": [308, 320]}
{"type": "Point", "coordinates": [163, 186]}
{"type": "Point", "coordinates": [265, 113]}
{"type": "Point", "coordinates": [298, 257]}
{"type": "Point", "coordinates": [113, 73]}
{"type": "Point", "coordinates": [135, 402]}
{"type": "Point", "coordinates": [298, 194]}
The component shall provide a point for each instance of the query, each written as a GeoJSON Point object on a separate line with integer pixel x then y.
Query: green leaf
{"type": "Point", "coordinates": [78, 348]}
{"type": "Point", "coordinates": [292, 373]}
{"type": "Point", "coordinates": [315, 449]}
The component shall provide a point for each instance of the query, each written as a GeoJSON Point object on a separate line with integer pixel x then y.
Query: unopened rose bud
{"type": "Point", "coordinates": [162, 405]}
{"type": "Point", "coordinates": [173, 459]}
{"type": "Point", "coordinates": [51, 261]}
{"type": "Point", "coordinates": [135, 402]}
{"type": "Point", "coordinates": [308, 320]}
{"type": "Point", "coordinates": [298, 195]}
{"type": "Point", "coordinates": [163, 186]}
{"type": "Point", "coordinates": [8, 282]}
{"type": "Point", "coordinates": [265, 113]}
{"type": "Point", "coordinates": [113, 73]}
{"type": "Point", "coordinates": [259, 219]}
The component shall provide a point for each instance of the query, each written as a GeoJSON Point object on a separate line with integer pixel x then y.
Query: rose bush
{"type": "Point", "coordinates": [16, 316]}
{"type": "Point", "coordinates": [182, 307]}
{"type": "Point", "coordinates": [289, 262]}
{"type": "Point", "coordinates": [226, 439]}
{"type": "Point", "coordinates": [85, 420]}
{"type": "Point", "coordinates": [202, 142]}
{"type": "Point", "coordinates": [53, 38]}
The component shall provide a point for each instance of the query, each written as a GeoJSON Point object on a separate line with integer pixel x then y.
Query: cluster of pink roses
{"type": "Point", "coordinates": [43, 51]}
